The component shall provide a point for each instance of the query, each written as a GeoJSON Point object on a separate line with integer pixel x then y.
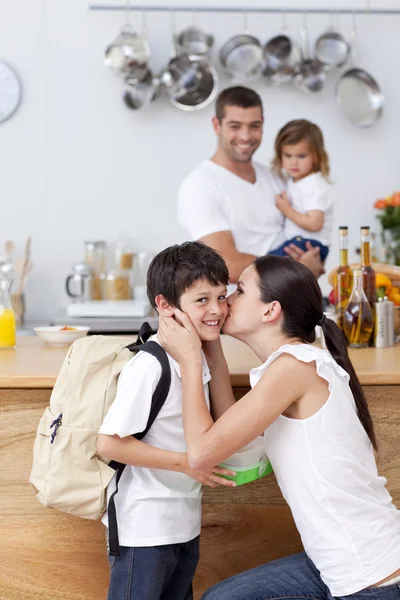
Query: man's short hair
{"type": "Point", "coordinates": [236, 96]}
{"type": "Point", "coordinates": [178, 267]}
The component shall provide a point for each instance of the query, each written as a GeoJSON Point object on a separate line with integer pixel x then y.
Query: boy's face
{"type": "Point", "coordinates": [207, 308]}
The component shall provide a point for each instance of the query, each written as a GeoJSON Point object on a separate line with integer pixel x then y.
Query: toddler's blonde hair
{"type": "Point", "coordinates": [300, 130]}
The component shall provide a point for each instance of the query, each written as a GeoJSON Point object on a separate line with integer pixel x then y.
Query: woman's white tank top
{"type": "Point", "coordinates": [325, 467]}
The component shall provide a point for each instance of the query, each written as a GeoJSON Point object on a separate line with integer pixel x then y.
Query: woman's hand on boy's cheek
{"type": "Point", "coordinates": [180, 341]}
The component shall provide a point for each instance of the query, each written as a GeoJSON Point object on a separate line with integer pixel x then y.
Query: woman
{"type": "Point", "coordinates": [318, 435]}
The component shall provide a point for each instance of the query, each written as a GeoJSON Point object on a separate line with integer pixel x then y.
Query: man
{"type": "Point", "coordinates": [228, 202]}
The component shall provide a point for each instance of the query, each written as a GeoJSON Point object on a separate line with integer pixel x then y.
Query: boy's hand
{"type": "Point", "coordinates": [282, 203]}
{"type": "Point", "coordinates": [211, 476]}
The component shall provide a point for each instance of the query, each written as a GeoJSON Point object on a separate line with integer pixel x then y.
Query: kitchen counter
{"type": "Point", "coordinates": [34, 365]}
{"type": "Point", "coordinates": [49, 555]}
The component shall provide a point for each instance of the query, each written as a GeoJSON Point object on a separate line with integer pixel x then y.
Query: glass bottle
{"type": "Point", "coordinates": [369, 284]}
{"type": "Point", "coordinates": [358, 318]}
{"type": "Point", "coordinates": [7, 315]}
{"type": "Point", "coordinates": [343, 280]}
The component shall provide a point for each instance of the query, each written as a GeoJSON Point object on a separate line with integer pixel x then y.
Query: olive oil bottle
{"type": "Point", "coordinates": [358, 318]}
{"type": "Point", "coordinates": [368, 273]}
{"type": "Point", "coordinates": [343, 281]}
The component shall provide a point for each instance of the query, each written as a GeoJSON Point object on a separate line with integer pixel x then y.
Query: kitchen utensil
{"type": "Point", "coordinates": [194, 43]}
{"type": "Point", "coordinates": [203, 95]}
{"type": "Point", "coordinates": [241, 55]}
{"type": "Point", "coordinates": [55, 335]}
{"type": "Point", "coordinates": [331, 48]}
{"type": "Point", "coordinates": [310, 75]}
{"type": "Point", "coordinates": [24, 268]}
{"type": "Point", "coordinates": [357, 93]}
{"type": "Point", "coordinates": [10, 250]}
{"type": "Point", "coordinates": [128, 54]}
{"type": "Point", "coordinates": [281, 56]}
{"type": "Point", "coordinates": [82, 280]}
{"type": "Point", "coordinates": [182, 76]}
{"type": "Point", "coordinates": [139, 94]}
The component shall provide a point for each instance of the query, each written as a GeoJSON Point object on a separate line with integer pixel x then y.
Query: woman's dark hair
{"type": "Point", "coordinates": [296, 289]}
{"type": "Point", "coordinates": [237, 95]}
{"type": "Point", "coordinates": [178, 267]}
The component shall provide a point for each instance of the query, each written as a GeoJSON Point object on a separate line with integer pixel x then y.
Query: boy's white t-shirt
{"type": "Point", "coordinates": [311, 193]}
{"type": "Point", "coordinates": [154, 506]}
{"type": "Point", "coordinates": [213, 199]}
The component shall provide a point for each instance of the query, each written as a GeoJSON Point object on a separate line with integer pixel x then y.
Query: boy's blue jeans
{"type": "Point", "coordinates": [291, 578]}
{"type": "Point", "coordinates": [300, 242]}
{"type": "Point", "coordinates": [154, 573]}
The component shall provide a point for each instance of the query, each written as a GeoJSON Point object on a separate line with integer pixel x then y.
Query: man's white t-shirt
{"type": "Point", "coordinates": [311, 193]}
{"type": "Point", "coordinates": [213, 199]}
{"type": "Point", "coordinates": [154, 506]}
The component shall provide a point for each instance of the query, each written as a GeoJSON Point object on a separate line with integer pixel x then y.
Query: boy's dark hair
{"type": "Point", "coordinates": [236, 96]}
{"type": "Point", "coordinates": [176, 268]}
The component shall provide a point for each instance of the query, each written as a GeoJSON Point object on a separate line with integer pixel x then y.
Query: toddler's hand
{"type": "Point", "coordinates": [282, 203]}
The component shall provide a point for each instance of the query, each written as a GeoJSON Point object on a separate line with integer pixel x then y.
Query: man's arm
{"type": "Point", "coordinates": [223, 242]}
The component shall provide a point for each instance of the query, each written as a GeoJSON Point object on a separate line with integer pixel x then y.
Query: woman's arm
{"type": "Point", "coordinates": [130, 451]}
{"type": "Point", "coordinates": [208, 442]}
{"type": "Point", "coordinates": [221, 393]}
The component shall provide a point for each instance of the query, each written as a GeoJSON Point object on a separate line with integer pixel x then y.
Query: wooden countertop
{"type": "Point", "coordinates": [32, 364]}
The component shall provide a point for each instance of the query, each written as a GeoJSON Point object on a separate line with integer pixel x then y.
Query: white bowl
{"type": "Point", "coordinates": [56, 336]}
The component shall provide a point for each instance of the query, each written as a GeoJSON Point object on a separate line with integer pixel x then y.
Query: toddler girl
{"type": "Point", "coordinates": [301, 159]}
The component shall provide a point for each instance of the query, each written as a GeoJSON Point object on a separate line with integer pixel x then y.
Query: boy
{"type": "Point", "coordinates": [159, 497]}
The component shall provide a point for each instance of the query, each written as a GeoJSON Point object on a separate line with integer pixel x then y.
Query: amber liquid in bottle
{"type": "Point", "coordinates": [358, 318]}
{"type": "Point", "coordinates": [368, 273]}
{"type": "Point", "coordinates": [343, 281]}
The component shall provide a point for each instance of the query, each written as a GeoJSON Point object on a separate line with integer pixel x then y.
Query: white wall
{"type": "Point", "coordinates": [76, 164]}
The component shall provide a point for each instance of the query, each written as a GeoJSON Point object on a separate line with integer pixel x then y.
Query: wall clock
{"type": "Point", "coordinates": [10, 91]}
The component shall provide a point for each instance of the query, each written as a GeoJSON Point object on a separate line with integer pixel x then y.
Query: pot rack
{"type": "Point", "coordinates": [248, 10]}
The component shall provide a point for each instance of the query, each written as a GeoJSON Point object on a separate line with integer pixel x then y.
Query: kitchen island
{"type": "Point", "coordinates": [47, 555]}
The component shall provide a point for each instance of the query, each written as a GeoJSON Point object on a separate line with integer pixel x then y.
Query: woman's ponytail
{"type": "Point", "coordinates": [336, 344]}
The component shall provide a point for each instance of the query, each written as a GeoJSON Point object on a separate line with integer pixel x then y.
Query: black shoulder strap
{"type": "Point", "coordinates": [157, 401]}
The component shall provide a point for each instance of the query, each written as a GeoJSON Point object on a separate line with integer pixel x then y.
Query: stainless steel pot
{"type": "Point", "coordinates": [128, 54]}
{"type": "Point", "coordinates": [357, 93]}
{"type": "Point", "coordinates": [242, 56]}
{"type": "Point", "coordinates": [182, 76]}
{"type": "Point", "coordinates": [331, 49]}
{"type": "Point", "coordinates": [310, 75]}
{"type": "Point", "coordinates": [280, 59]}
{"type": "Point", "coordinates": [139, 94]}
{"type": "Point", "coordinates": [194, 43]}
{"type": "Point", "coordinates": [204, 93]}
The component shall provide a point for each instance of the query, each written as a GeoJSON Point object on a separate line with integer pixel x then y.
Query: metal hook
{"type": "Point", "coordinates": [245, 21]}
{"type": "Point", "coordinates": [144, 21]}
{"type": "Point", "coordinates": [284, 19]}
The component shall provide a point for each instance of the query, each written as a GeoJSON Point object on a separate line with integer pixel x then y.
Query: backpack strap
{"type": "Point", "coordinates": [157, 402]}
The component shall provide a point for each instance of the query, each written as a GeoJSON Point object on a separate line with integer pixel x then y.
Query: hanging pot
{"type": "Point", "coordinates": [194, 43]}
{"type": "Point", "coordinates": [281, 58]}
{"type": "Point", "coordinates": [331, 48]}
{"type": "Point", "coordinates": [128, 54]}
{"type": "Point", "coordinates": [139, 94]}
{"type": "Point", "coordinates": [357, 92]}
{"type": "Point", "coordinates": [241, 56]}
{"type": "Point", "coordinates": [310, 75]}
{"type": "Point", "coordinates": [204, 93]}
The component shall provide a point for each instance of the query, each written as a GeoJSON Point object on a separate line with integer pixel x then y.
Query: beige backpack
{"type": "Point", "coordinates": [66, 473]}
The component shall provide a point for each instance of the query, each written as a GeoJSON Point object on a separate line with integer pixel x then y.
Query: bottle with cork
{"type": "Point", "coordinates": [368, 273]}
{"type": "Point", "coordinates": [343, 280]}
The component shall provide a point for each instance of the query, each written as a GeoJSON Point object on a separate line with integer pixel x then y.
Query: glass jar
{"type": "Point", "coordinates": [7, 316]}
{"type": "Point", "coordinates": [95, 257]}
{"type": "Point", "coordinates": [123, 255]}
{"type": "Point", "coordinates": [117, 285]}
